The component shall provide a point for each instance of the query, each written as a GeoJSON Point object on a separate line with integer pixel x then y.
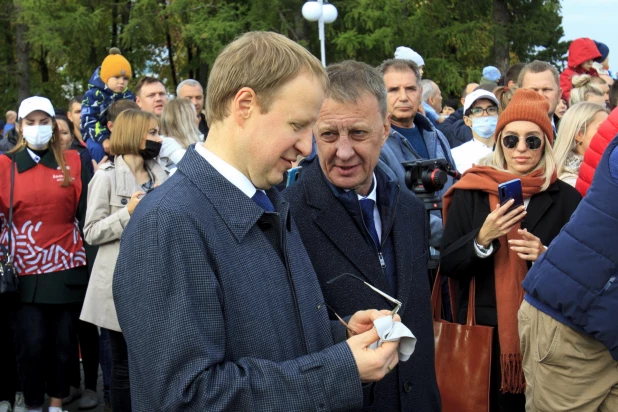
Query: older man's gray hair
{"type": "Point", "coordinates": [428, 89]}
{"type": "Point", "coordinates": [350, 80]}
{"type": "Point", "coordinates": [188, 82]}
{"type": "Point", "coordinates": [400, 65]}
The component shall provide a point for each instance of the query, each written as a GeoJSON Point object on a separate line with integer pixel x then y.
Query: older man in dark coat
{"type": "Point", "coordinates": [354, 218]}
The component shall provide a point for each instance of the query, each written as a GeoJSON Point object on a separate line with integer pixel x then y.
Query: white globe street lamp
{"type": "Point", "coordinates": [323, 14]}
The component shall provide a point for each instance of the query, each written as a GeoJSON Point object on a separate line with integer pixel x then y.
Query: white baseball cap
{"type": "Point", "coordinates": [34, 103]}
{"type": "Point", "coordinates": [477, 95]}
{"type": "Point", "coordinates": [407, 53]}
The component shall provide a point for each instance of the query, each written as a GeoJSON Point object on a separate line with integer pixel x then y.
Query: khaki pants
{"type": "Point", "coordinates": [565, 370]}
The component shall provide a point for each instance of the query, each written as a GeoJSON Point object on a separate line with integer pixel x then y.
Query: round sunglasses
{"type": "Point", "coordinates": [511, 141]}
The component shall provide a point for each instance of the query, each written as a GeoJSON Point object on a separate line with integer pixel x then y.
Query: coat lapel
{"type": "Point", "coordinates": [405, 269]}
{"type": "Point", "coordinates": [343, 230]}
{"type": "Point", "coordinates": [238, 211]}
{"type": "Point", "coordinates": [539, 204]}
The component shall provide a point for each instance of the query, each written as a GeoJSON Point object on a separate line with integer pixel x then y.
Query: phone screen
{"type": "Point", "coordinates": [511, 190]}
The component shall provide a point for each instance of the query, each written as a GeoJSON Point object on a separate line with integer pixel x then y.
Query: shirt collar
{"type": "Point", "coordinates": [478, 142]}
{"type": "Point", "coordinates": [233, 175]}
{"type": "Point", "coordinates": [25, 159]}
{"type": "Point", "coordinates": [372, 194]}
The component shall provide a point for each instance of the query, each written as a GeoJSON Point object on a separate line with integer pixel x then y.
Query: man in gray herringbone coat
{"type": "Point", "coordinates": [216, 297]}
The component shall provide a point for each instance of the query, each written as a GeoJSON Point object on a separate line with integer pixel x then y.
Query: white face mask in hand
{"type": "Point", "coordinates": [37, 136]}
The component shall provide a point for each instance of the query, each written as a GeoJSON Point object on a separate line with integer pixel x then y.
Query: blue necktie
{"type": "Point", "coordinates": [367, 209]}
{"type": "Point", "coordinates": [263, 201]}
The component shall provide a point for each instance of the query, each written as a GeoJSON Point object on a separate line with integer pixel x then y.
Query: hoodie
{"type": "Point", "coordinates": [98, 98]}
{"type": "Point", "coordinates": [580, 51]}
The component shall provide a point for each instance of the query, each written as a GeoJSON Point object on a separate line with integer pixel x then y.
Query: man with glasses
{"type": "Point", "coordinates": [356, 220]}
{"type": "Point", "coordinates": [481, 116]}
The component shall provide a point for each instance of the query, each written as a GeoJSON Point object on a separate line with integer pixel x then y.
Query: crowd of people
{"type": "Point", "coordinates": [155, 239]}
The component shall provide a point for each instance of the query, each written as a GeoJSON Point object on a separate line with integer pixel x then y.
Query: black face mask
{"type": "Point", "coordinates": [151, 151]}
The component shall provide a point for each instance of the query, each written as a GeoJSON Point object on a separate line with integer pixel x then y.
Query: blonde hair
{"type": "Point", "coordinates": [262, 61]}
{"type": "Point", "coordinates": [582, 88]}
{"type": "Point", "coordinates": [504, 96]}
{"type": "Point", "coordinates": [497, 161]}
{"type": "Point", "coordinates": [130, 128]}
{"type": "Point", "coordinates": [178, 121]}
{"type": "Point", "coordinates": [55, 145]}
{"type": "Point", "coordinates": [574, 121]}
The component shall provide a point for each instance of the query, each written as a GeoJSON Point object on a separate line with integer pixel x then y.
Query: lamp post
{"type": "Point", "coordinates": [324, 13]}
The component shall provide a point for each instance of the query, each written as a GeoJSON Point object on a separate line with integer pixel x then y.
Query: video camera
{"type": "Point", "coordinates": [426, 177]}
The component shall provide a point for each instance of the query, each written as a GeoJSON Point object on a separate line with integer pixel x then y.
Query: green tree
{"type": "Point", "coordinates": [62, 42]}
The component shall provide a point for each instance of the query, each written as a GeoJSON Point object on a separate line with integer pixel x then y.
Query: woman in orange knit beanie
{"type": "Point", "coordinates": [485, 240]}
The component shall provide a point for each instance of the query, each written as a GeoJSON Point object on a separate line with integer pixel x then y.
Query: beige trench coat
{"type": "Point", "coordinates": [107, 215]}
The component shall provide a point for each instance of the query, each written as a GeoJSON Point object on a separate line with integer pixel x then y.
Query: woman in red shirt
{"type": "Point", "coordinates": [49, 204]}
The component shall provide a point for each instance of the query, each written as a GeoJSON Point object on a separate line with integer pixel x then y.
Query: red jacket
{"type": "Point", "coordinates": [580, 51]}
{"type": "Point", "coordinates": [605, 134]}
{"type": "Point", "coordinates": [46, 237]}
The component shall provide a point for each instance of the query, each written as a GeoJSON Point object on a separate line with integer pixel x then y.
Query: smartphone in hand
{"type": "Point", "coordinates": [511, 190]}
{"type": "Point", "coordinates": [293, 175]}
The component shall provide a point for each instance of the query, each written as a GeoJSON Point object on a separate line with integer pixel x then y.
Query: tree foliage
{"type": "Point", "coordinates": [178, 39]}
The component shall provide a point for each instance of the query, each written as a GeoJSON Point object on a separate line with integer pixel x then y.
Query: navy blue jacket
{"type": "Point", "coordinates": [337, 242]}
{"type": "Point", "coordinates": [98, 98]}
{"type": "Point", "coordinates": [216, 318]}
{"type": "Point", "coordinates": [574, 281]}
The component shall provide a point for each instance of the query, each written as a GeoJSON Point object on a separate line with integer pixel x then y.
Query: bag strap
{"type": "Point", "coordinates": [436, 297]}
{"type": "Point", "coordinates": [10, 227]}
{"type": "Point", "coordinates": [436, 300]}
{"type": "Point", "coordinates": [472, 303]}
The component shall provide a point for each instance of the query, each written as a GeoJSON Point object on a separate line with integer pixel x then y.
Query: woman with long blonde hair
{"type": "Point", "coordinates": [577, 127]}
{"type": "Point", "coordinates": [495, 243]}
{"type": "Point", "coordinates": [179, 130]}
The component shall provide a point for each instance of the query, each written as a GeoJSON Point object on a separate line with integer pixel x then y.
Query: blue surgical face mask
{"type": "Point", "coordinates": [484, 126]}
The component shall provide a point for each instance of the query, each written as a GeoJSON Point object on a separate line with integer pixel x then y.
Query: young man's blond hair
{"type": "Point", "coordinates": [274, 61]}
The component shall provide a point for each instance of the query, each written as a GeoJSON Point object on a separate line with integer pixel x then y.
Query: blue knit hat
{"type": "Point", "coordinates": [491, 73]}
{"type": "Point", "coordinates": [603, 49]}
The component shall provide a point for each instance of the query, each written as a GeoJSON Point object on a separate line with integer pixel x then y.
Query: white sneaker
{"type": "Point", "coordinates": [20, 403]}
{"type": "Point", "coordinates": [89, 400]}
{"type": "Point", "coordinates": [5, 406]}
{"type": "Point", "coordinates": [74, 393]}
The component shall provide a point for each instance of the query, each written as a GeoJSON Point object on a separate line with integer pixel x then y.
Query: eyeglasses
{"type": "Point", "coordinates": [478, 111]}
{"type": "Point", "coordinates": [511, 141]}
{"type": "Point", "coordinates": [378, 291]}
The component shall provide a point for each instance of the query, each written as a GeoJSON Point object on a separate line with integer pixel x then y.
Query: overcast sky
{"type": "Point", "coordinates": [597, 19]}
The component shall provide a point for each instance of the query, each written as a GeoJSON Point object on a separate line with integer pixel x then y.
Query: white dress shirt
{"type": "Point", "coordinates": [469, 153]}
{"type": "Point", "coordinates": [376, 212]}
{"type": "Point", "coordinates": [35, 157]}
{"type": "Point", "coordinates": [233, 175]}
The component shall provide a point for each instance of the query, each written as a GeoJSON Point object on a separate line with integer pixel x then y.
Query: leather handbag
{"type": "Point", "coordinates": [463, 357]}
{"type": "Point", "coordinates": [8, 274]}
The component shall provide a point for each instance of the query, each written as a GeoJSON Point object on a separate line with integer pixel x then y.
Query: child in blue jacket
{"type": "Point", "coordinates": [107, 85]}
